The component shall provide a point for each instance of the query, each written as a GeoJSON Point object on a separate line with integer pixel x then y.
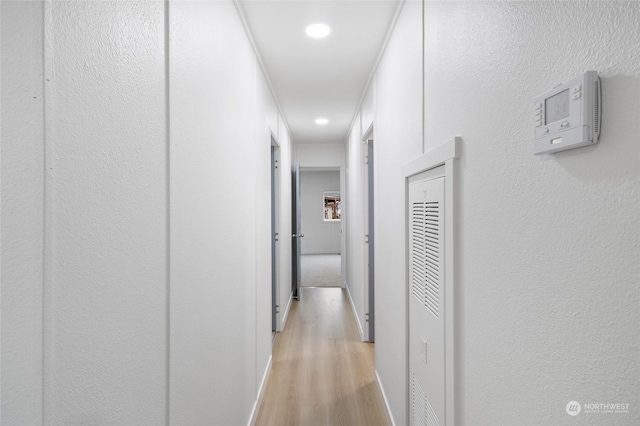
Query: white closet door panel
{"type": "Point", "coordinates": [426, 300]}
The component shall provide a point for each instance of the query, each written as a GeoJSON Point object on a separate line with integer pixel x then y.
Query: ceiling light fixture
{"type": "Point", "coordinates": [321, 121]}
{"type": "Point", "coordinates": [318, 30]}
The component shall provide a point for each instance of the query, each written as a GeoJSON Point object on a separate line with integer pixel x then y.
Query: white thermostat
{"type": "Point", "coordinates": [568, 116]}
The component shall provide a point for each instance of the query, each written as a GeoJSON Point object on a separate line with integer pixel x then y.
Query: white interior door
{"type": "Point", "coordinates": [426, 301]}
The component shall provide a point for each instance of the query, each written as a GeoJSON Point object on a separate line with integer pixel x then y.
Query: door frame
{"type": "Point", "coordinates": [296, 228]}
{"type": "Point", "coordinates": [275, 234]}
{"type": "Point", "coordinates": [445, 155]}
{"type": "Point", "coordinates": [369, 243]}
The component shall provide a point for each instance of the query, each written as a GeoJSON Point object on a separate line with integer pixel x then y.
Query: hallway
{"type": "Point", "coordinates": [322, 374]}
{"type": "Point", "coordinates": [151, 154]}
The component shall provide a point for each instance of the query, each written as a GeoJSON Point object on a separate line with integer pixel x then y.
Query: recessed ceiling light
{"type": "Point", "coordinates": [318, 30]}
{"type": "Point", "coordinates": [321, 121]}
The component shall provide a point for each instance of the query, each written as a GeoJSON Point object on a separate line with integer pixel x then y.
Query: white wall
{"type": "Point", "coordinates": [99, 178]}
{"type": "Point", "coordinates": [122, 211]}
{"type": "Point", "coordinates": [320, 155]}
{"type": "Point", "coordinates": [106, 236]}
{"type": "Point", "coordinates": [354, 214]}
{"type": "Point", "coordinates": [22, 214]}
{"type": "Point", "coordinates": [398, 139]}
{"type": "Point", "coordinates": [549, 251]}
{"type": "Point", "coordinates": [367, 110]}
{"type": "Point", "coordinates": [213, 226]}
{"type": "Point", "coordinates": [265, 118]}
{"type": "Point", "coordinates": [548, 271]}
{"type": "Point", "coordinates": [284, 267]}
{"type": "Point", "coordinates": [320, 237]}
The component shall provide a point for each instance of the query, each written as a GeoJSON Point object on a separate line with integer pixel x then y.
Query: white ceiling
{"type": "Point", "coordinates": [323, 77]}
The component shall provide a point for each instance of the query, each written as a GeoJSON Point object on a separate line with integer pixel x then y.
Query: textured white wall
{"type": "Point", "coordinates": [264, 122]}
{"type": "Point", "coordinates": [367, 110]}
{"type": "Point", "coordinates": [22, 129]}
{"type": "Point", "coordinates": [221, 323]}
{"type": "Point", "coordinates": [212, 261]}
{"type": "Point", "coordinates": [123, 199]}
{"type": "Point", "coordinates": [354, 214]}
{"type": "Point", "coordinates": [270, 114]}
{"type": "Point", "coordinates": [398, 139]}
{"type": "Point", "coordinates": [285, 220]}
{"type": "Point", "coordinates": [106, 213]}
{"type": "Point", "coordinates": [550, 245]}
{"type": "Point", "coordinates": [548, 290]}
{"type": "Point", "coordinates": [319, 236]}
{"type": "Point", "coordinates": [320, 155]}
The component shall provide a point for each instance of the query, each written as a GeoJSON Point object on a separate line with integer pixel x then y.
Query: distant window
{"type": "Point", "coordinates": [331, 205]}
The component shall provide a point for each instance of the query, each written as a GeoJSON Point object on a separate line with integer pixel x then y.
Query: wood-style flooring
{"type": "Point", "coordinates": [321, 373]}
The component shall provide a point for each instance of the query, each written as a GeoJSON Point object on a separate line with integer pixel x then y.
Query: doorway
{"type": "Point", "coordinates": [321, 218]}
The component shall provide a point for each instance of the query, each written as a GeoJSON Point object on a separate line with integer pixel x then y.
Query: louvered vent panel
{"type": "Point", "coordinates": [425, 259]}
{"type": "Point", "coordinates": [418, 409]}
{"type": "Point", "coordinates": [422, 413]}
{"type": "Point", "coordinates": [418, 260]}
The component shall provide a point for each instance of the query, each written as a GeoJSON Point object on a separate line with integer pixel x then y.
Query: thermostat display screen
{"type": "Point", "coordinates": [556, 107]}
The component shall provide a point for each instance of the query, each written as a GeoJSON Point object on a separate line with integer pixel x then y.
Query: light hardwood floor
{"type": "Point", "coordinates": [321, 374]}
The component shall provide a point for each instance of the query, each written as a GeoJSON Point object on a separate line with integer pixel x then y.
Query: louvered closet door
{"type": "Point", "coordinates": [426, 301]}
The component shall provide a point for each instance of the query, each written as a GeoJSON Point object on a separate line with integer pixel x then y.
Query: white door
{"type": "Point", "coordinates": [426, 301]}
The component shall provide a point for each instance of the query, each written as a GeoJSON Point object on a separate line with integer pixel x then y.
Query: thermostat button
{"type": "Point", "coordinates": [565, 124]}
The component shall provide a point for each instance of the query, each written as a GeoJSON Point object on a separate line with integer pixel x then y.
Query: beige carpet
{"type": "Point", "coordinates": [320, 270]}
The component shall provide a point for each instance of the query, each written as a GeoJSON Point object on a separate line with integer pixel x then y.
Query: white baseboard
{"type": "Point", "coordinates": [285, 314]}
{"type": "Point", "coordinates": [263, 385]}
{"type": "Point", "coordinates": [355, 314]}
{"type": "Point", "coordinates": [384, 398]}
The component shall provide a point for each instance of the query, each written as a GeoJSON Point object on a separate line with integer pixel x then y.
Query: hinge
{"type": "Point", "coordinates": [366, 239]}
{"type": "Point", "coordinates": [277, 309]}
{"type": "Point", "coordinates": [366, 317]}
{"type": "Point", "coordinates": [277, 237]}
